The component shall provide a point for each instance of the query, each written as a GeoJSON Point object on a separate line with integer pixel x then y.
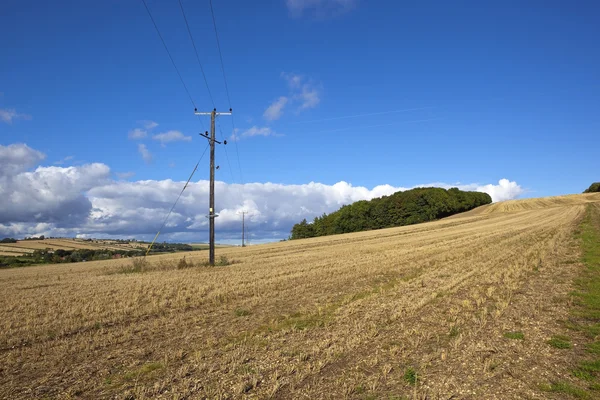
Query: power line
{"type": "Point", "coordinates": [226, 153]}
{"type": "Point", "coordinates": [169, 53]}
{"type": "Point", "coordinates": [197, 56]}
{"type": "Point", "coordinates": [240, 187]}
{"type": "Point", "coordinates": [220, 54]}
{"type": "Point", "coordinates": [172, 61]}
{"type": "Point", "coordinates": [226, 88]}
{"type": "Point", "coordinates": [177, 200]}
{"type": "Point", "coordinates": [191, 100]}
{"type": "Point", "coordinates": [204, 75]}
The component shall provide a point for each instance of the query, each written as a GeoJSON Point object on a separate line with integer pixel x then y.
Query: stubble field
{"type": "Point", "coordinates": [29, 246]}
{"type": "Point", "coordinates": [458, 308]}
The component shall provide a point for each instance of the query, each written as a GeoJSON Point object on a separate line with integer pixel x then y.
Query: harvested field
{"type": "Point", "coordinates": [459, 308]}
{"type": "Point", "coordinates": [532, 204]}
{"type": "Point", "coordinates": [7, 248]}
{"type": "Point", "coordinates": [28, 246]}
{"type": "Point", "coordinates": [10, 253]}
{"type": "Point", "coordinates": [68, 244]}
{"type": "Point", "coordinates": [205, 246]}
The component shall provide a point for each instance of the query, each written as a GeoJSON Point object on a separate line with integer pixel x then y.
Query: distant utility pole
{"type": "Point", "coordinates": [243, 225]}
{"type": "Point", "coordinates": [211, 207]}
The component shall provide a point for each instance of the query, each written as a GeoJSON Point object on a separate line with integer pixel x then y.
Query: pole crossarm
{"type": "Point", "coordinates": [217, 113]}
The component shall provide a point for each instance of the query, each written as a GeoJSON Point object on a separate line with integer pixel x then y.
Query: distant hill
{"type": "Point", "coordinates": [594, 187]}
{"type": "Point", "coordinates": [401, 208]}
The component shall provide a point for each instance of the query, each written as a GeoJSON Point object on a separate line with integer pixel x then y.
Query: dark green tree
{"type": "Point", "coordinates": [401, 208]}
{"type": "Point", "coordinates": [303, 230]}
{"type": "Point", "coordinates": [594, 188]}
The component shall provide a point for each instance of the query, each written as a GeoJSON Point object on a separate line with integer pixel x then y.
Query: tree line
{"type": "Point", "coordinates": [401, 208]}
{"type": "Point", "coordinates": [594, 188]}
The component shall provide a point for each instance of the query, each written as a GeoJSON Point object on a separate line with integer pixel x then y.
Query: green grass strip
{"type": "Point", "coordinates": [586, 313]}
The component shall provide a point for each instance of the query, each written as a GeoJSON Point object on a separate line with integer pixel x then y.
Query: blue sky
{"type": "Point", "coordinates": [449, 92]}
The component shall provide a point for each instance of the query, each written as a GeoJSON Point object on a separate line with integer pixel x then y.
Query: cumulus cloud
{"type": "Point", "coordinates": [85, 201]}
{"type": "Point", "coordinates": [504, 190]}
{"type": "Point", "coordinates": [17, 158]}
{"type": "Point", "coordinates": [171, 136]}
{"type": "Point", "coordinates": [146, 155]}
{"type": "Point", "coordinates": [274, 111]}
{"type": "Point", "coordinates": [9, 114]}
{"type": "Point", "coordinates": [50, 194]}
{"type": "Point", "coordinates": [134, 207]}
{"type": "Point", "coordinates": [319, 8]}
{"type": "Point", "coordinates": [47, 198]}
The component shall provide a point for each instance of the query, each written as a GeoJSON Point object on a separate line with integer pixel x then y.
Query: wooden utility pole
{"type": "Point", "coordinates": [211, 200]}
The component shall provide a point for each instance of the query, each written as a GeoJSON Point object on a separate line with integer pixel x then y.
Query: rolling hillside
{"type": "Point", "coordinates": [457, 308]}
{"type": "Point", "coordinates": [539, 203]}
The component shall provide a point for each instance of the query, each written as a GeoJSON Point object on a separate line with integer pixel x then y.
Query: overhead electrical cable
{"type": "Point", "coordinates": [176, 201]}
{"type": "Point", "coordinates": [197, 56]}
{"type": "Point", "coordinates": [172, 61]}
{"type": "Point", "coordinates": [220, 54]}
{"type": "Point", "coordinates": [169, 53]}
{"type": "Point", "coordinates": [226, 155]}
{"type": "Point", "coordinates": [233, 130]}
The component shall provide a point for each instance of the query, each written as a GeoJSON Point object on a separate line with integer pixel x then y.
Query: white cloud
{"type": "Point", "coordinates": [84, 200]}
{"type": "Point", "coordinates": [254, 131]}
{"type": "Point", "coordinates": [50, 194]}
{"type": "Point", "coordinates": [17, 158]}
{"type": "Point", "coordinates": [275, 110]}
{"type": "Point", "coordinates": [143, 150]}
{"type": "Point", "coordinates": [9, 114]}
{"type": "Point", "coordinates": [319, 8]}
{"type": "Point", "coordinates": [171, 136]}
{"type": "Point", "coordinates": [137, 133]}
{"type": "Point", "coordinates": [504, 190]}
